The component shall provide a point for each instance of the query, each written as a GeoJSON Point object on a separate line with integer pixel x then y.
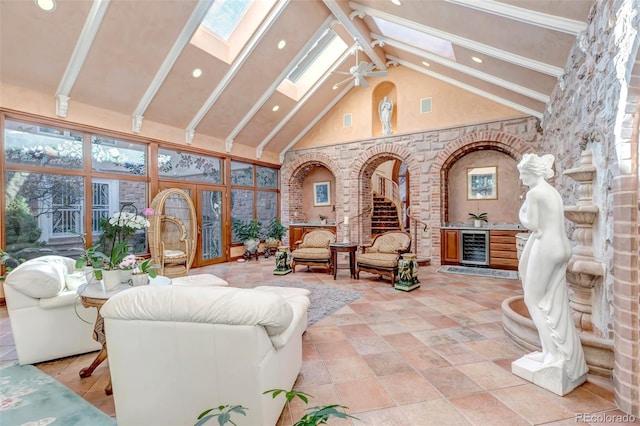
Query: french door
{"type": "Point", "coordinates": [210, 202]}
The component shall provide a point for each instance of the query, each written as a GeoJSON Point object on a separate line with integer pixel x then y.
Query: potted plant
{"type": "Point", "coordinates": [275, 232]}
{"type": "Point", "coordinates": [143, 271]}
{"type": "Point", "coordinates": [478, 218]}
{"type": "Point", "coordinates": [248, 233]}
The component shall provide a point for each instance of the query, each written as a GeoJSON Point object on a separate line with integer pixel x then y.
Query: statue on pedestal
{"type": "Point", "coordinates": [385, 111]}
{"type": "Point", "coordinates": [561, 366]}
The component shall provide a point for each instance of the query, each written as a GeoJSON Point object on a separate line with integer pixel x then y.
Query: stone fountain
{"type": "Point", "coordinates": [583, 273]}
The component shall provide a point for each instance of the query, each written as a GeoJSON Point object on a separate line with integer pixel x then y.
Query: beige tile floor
{"type": "Point", "coordinates": [434, 356]}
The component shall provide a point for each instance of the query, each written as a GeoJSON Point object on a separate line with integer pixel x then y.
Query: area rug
{"type": "Point", "coordinates": [325, 300]}
{"type": "Point", "coordinates": [482, 272]}
{"type": "Point", "coordinates": [28, 397]}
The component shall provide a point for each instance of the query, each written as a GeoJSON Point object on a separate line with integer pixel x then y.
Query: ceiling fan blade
{"type": "Point", "coordinates": [363, 67]}
{"type": "Point", "coordinates": [364, 83]}
{"type": "Point", "coordinates": [376, 74]}
{"type": "Point", "coordinates": [343, 82]}
{"type": "Point", "coordinates": [341, 72]}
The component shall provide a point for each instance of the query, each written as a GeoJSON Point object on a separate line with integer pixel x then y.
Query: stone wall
{"type": "Point", "coordinates": [595, 106]}
{"type": "Point", "coordinates": [428, 155]}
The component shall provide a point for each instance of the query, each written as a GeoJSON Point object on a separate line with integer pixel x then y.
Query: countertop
{"type": "Point", "coordinates": [312, 223]}
{"type": "Point", "coordinates": [485, 226]}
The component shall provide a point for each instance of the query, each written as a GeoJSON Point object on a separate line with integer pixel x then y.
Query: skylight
{"type": "Point", "coordinates": [223, 17]}
{"type": "Point", "coordinates": [320, 57]}
{"type": "Point", "coordinates": [415, 38]}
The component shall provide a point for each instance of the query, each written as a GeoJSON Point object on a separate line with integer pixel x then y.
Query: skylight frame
{"type": "Point", "coordinates": [412, 37]}
{"type": "Point", "coordinates": [224, 16]}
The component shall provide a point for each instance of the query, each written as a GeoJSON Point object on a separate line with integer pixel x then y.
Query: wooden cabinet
{"type": "Point", "coordinates": [450, 247]}
{"type": "Point", "coordinates": [502, 249]}
{"type": "Point", "coordinates": [296, 232]}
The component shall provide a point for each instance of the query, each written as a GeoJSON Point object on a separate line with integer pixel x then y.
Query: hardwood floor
{"type": "Point", "coordinates": [434, 356]}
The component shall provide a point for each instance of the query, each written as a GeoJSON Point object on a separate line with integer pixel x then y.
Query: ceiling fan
{"type": "Point", "coordinates": [359, 71]}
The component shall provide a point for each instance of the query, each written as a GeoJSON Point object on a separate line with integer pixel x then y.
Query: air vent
{"type": "Point", "coordinates": [425, 105]}
{"type": "Point", "coordinates": [346, 120]}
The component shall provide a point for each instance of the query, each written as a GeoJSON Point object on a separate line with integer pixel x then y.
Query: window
{"type": "Point", "coordinates": [189, 167]}
{"type": "Point", "coordinates": [224, 16]}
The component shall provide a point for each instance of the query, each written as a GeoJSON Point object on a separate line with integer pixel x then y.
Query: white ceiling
{"type": "Point", "coordinates": [134, 57]}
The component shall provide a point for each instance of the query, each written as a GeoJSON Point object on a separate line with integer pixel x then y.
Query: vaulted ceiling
{"type": "Point", "coordinates": [136, 57]}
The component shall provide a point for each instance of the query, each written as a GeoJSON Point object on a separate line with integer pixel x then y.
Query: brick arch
{"type": "Point", "coordinates": [293, 175]}
{"type": "Point", "coordinates": [438, 176]}
{"type": "Point", "coordinates": [360, 183]}
{"type": "Point", "coordinates": [626, 239]}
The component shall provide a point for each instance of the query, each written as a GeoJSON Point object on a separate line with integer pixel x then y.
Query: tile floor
{"type": "Point", "coordinates": [434, 356]}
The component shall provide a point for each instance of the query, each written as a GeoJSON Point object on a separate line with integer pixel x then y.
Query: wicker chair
{"type": "Point", "coordinates": [313, 249]}
{"type": "Point", "coordinates": [174, 249]}
{"type": "Point", "coordinates": [382, 256]}
{"type": "Point", "coordinates": [173, 232]}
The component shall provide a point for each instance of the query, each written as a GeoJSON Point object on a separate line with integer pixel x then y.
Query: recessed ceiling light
{"type": "Point", "coordinates": [282, 44]}
{"type": "Point", "coordinates": [197, 72]}
{"type": "Point", "coordinates": [396, 2]}
{"type": "Point", "coordinates": [476, 59]}
{"type": "Point", "coordinates": [426, 64]}
{"type": "Point", "coordinates": [275, 108]}
{"type": "Point", "coordinates": [46, 5]}
{"type": "Point", "coordinates": [335, 86]}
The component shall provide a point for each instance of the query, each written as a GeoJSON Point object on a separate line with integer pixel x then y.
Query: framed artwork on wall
{"type": "Point", "coordinates": [482, 183]}
{"type": "Point", "coordinates": [322, 194]}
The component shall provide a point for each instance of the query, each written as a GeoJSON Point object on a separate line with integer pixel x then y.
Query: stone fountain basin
{"type": "Point", "coordinates": [519, 327]}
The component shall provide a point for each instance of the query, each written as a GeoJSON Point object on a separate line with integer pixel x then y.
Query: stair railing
{"type": "Point", "coordinates": [415, 221]}
{"type": "Point", "coordinates": [390, 190]}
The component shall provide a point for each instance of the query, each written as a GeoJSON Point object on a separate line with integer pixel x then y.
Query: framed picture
{"type": "Point", "coordinates": [482, 183]}
{"type": "Point", "coordinates": [322, 194]}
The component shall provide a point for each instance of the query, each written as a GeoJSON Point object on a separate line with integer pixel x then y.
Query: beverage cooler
{"type": "Point", "coordinates": [474, 247]}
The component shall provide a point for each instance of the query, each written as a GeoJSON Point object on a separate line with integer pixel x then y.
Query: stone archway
{"type": "Point", "coordinates": [360, 183]}
{"type": "Point", "coordinates": [485, 140]}
{"type": "Point", "coordinates": [292, 178]}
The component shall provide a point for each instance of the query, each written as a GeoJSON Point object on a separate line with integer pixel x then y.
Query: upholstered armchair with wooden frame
{"type": "Point", "coordinates": [382, 256]}
{"type": "Point", "coordinates": [313, 249]}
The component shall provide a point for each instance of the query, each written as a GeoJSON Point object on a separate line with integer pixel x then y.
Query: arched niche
{"type": "Point", "coordinates": [388, 89]}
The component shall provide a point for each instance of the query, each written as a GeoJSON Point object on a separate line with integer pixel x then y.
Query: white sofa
{"type": "Point", "coordinates": [47, 319]}
{"type": "Point", "coordinates": [176, 351]}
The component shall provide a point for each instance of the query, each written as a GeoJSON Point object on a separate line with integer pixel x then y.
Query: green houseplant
{"type": "Point", "coordinates": [248, 233]}
{"type": "Point", "coordinates": [478, 218]}
{"type": "Point", "coordinates": [275, 231]}
{"type": "Point", "coordinates": [315, 415]}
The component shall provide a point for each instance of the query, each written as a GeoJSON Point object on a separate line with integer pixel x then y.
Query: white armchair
{"type": "Point", "coordinates": [175, 351]}
{"type": "Point", "coordinates": [47, 319]}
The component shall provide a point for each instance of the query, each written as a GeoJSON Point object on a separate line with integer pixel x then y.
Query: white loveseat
{"type": "Point", "coordinates": [176, 351]}
{"type": "Point", "coordinates": [47, 319]}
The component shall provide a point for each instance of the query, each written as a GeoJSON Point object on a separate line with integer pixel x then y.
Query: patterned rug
{"type": "Point", "coordinates": [325, 300]}
{"type": "Point", "coordinates": [28, 397]}
{"type": "Point", "coordinates": [482, 272]}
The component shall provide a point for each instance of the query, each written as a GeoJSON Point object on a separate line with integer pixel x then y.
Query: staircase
{"type": "Point", "coordinates": [384, 216]}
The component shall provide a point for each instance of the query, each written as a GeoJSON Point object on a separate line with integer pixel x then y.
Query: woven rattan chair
{"type": "Point", "coordinates": [173, 232]}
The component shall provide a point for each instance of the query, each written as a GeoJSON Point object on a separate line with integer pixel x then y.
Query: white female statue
{"type": "Point", "coordinates": [385, 111]}
{"type": "Point", "coordinates": [542, 268]}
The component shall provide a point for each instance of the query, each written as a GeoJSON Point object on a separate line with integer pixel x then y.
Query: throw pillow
{"type": "Point", "coordinates": [38, 279]}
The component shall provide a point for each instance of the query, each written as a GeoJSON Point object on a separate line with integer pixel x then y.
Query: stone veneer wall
{"type": "Point", "coordinates": [428, 156]}
{"type": "Point", "coordinates": [596, 104]}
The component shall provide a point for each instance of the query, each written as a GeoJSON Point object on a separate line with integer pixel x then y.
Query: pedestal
{"type": "Point", "coordinates": [407, 273]}
{"type": "Point", "coordinates": [283, 267]}
{"type": "Point", "coordinates": [552, 377]}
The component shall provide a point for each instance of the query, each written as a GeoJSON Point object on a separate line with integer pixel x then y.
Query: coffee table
{"type": "Point", "coordinates": [343, 248]}
{"type": "Point", "coordinates": [93, 295]}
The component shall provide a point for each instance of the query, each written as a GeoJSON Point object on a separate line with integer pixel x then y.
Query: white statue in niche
{"type": "Point", "coordinates": [561, 366]}
{"type": "Point", "coordinates": [385, 111]}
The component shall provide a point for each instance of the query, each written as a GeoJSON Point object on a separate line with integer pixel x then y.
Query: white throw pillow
{"type": "Point", "coordinates": [38, 279]}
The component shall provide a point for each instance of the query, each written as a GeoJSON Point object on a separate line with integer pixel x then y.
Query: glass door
{"type": "Point", "coordinates": [209, 203]}
{"type": "Point", "coordinates": [210, 212]}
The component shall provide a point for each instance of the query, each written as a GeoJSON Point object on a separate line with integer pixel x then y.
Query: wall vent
{"type": "Point", "coordinates": [425, 105]}
{"type": "Point", "coordinates": [346, 120]}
